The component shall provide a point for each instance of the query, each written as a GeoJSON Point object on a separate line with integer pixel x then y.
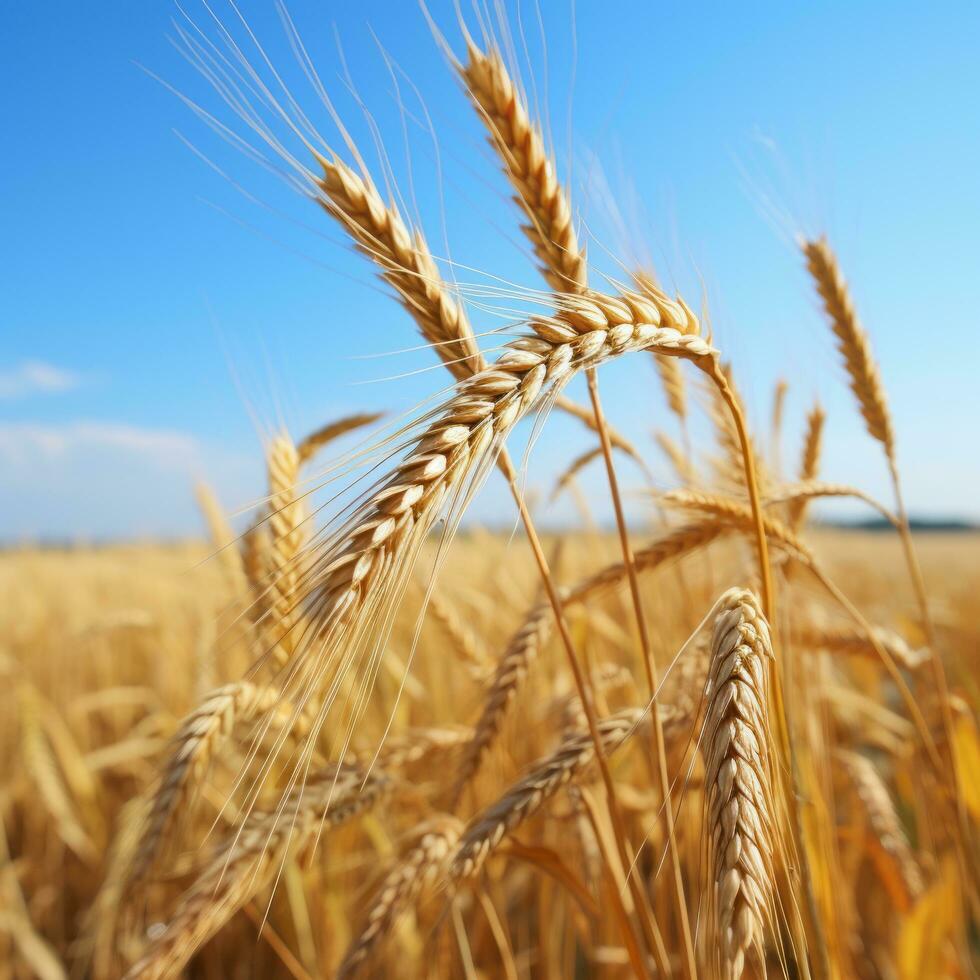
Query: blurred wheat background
{"type": "Point", "coordinates": [682, 727]}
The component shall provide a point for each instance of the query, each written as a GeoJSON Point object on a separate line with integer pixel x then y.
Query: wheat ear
{"type": "Point", "coordinates": [520, 145]}
{"type": "Point", "coordinates": [287, 516]}
{"type": "Point", "coordinates": [867, 386]}
{"type": "Point", "coordinates": [489, 827]}
{"type": "Point", "coordinates": [890, 848]}
{"type": "Point", "coordinates": [736, 514]}
{"type": "Point", "coordinates": [739, 779]}
{"type": "Point", "coordinates": [195, 744]}
{"type": "Point", "coordinates": [420, 868]}
{"type": "Point", "coordinates": [251, 858]}
{"type": "Point", "coordinates": [352, 568]}
{"type": "Point", "coordinates": [809, 463]}
{"type": "Point", "coordinates": [326, 434]}
{"type": "Point", "coordinates": [405, 261]}
{"type": "Point", "coordinates": [852, 341]}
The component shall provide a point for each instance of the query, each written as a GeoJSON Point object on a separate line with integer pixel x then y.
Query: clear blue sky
{"type": "Point", "coordinates": [155, 323]}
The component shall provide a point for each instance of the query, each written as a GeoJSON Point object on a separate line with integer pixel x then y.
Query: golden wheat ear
{"type": "Point", "coordinates": [852, 341]}
{"type": "Point", "coordinates": [740, 796]}
{"type": "Point", "coordinates": [252, 857]}
{"type": "Point", "coordinates": [527, 163]}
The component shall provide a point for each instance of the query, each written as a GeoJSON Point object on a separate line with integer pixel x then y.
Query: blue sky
{"type": "Point", "coordinates": [156, 322]}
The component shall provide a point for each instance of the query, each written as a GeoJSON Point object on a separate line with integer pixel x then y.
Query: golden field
{"type": "Point", "coordinates": [105, 651]}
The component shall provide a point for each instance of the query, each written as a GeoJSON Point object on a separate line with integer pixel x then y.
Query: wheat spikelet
{"type": "Point", "coordinates": [464, 640]}
{"type": "Point", "coordinates": [737, 514]}
{"type": "Point", "coordinates": [420, 868]}
{"type": "Point", "coordinates": [809, 463]}
{"type": "Point", "coordinates": [528, 165]}
{"type": "Point", "coordinates": [197, 740]}
{"type": "Point", "coordinates": [222, 536]}
{"type": "Point", "coordinates": [890, 848]}
{"type": "Point", "coordinates": [489, 827]}
{"type": "Point", "coordinates": [671, 375]}
{"type": "Point", "coordinates": [249, 861]}
{"type": "Point", "coordinates": [326, 434]}
{"type": "Point", "coordinates": [739, 780]}
{"type": "Point", "coordinates": [852, 341]}
{"type": "Point", "coordinates": [285, 544]}
{"type": "Point", "coordinates": [843, 640]}
{"type": "Point", "coordinates": [406, 263]}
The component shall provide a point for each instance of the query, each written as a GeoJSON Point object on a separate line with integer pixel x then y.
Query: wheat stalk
{"type": "Point", "coordinates": [739, 779]}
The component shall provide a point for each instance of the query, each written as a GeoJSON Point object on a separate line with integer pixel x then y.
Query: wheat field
{"type": "Point", "coordinates": [356, 734]}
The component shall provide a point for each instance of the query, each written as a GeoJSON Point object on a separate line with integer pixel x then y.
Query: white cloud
{"type": "Point", "coordinates": [36, 378]}
{"type": "Point", "coordinates": [29, 444]}
{"type": "Point", "coordinates": [106, 479]}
